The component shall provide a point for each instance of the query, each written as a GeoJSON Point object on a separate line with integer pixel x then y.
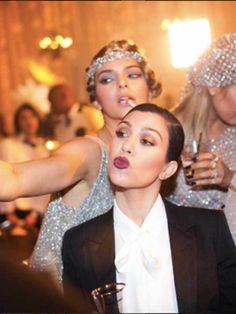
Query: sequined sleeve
{"type": "Point", "coordinates": [224, 146]}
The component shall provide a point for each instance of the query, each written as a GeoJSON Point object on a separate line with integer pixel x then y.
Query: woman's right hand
{"type": "Point", "coordinates": [208, 169]}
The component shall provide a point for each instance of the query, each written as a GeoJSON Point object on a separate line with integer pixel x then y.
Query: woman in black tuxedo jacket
{"type": "Point", "coordinates": [172, 259]}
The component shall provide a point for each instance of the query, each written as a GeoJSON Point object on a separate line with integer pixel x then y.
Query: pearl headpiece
{"type": "Point", "coordinates": [216, 67]}
{"type": "Point", "coordinates": [112, 55]}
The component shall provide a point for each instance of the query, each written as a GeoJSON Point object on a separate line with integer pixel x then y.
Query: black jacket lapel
{"type": "Point", "coordinates": [102, 250]}
{"type": "Point", "coordinates": [184, 257]}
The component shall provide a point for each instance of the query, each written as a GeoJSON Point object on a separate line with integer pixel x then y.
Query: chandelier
{"type": "Point", "coordinates": [55, 44]}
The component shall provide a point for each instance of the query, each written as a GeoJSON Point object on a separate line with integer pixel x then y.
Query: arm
{"type": "Point", "coordinates": [67, 165]}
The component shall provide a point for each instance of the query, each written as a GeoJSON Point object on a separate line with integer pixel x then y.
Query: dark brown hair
{"type": "Point", "coordinates": [175, 129]}
{"type": "Point", "coordinates": [23, 107]}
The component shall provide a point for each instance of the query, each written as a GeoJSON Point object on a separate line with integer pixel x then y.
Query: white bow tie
{"type": "Point", "coordinates": [146, 246]}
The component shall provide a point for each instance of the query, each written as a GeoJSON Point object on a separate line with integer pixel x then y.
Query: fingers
{"type": "Point", "coordinates": [209, 177]}
{"type": "Point", "coordinates": [214, 163]}
{"type": "Point", "coordinates": [203, 156]}
{"type": "Point", "coordinates": [206, 170]}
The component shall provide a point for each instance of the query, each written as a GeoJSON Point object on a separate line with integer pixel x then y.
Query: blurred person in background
{"type": "Point", "coordinates": [208, 114]}
{"type": "Point", "coordinates": [66, 118]}
{"type": "Point", "coordinates": [26, 145]}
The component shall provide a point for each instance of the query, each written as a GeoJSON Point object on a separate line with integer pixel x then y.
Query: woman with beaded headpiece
{"type": "Point", "coordinates": [208, 114]}
{"type": "Point", "coordinates": [119, 78]}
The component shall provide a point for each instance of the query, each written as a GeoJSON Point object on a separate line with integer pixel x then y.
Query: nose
{"type": "Point", "coordinates": [122, 83]}
{"type": "Point", "coordinates": [127, 147]}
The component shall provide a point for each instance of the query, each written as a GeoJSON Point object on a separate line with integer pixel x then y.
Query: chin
{"type": "Point", "coordinates": [119, 182]}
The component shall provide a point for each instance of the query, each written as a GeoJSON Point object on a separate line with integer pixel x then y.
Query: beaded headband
{"type": "Point", "coordinates": [112, 55]}
{"type": "Point", "coordinates": [216, 67]}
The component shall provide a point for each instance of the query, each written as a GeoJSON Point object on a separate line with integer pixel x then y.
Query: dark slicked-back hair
{"type": "Point", "coordinates": [175, 129]}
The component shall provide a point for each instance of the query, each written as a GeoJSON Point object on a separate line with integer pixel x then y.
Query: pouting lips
{"type": "Point", "coordinates": [121, 163]}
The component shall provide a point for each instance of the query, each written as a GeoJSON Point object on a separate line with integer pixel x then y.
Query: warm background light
{"type": "Point", "coordinates": [55, 42]}
{"type": "Point", "coordinates": [188, 39]}
{"type": "Point", "coordinates": [52, 145]}
{"type": "Point", "coordinates": [28, 69]}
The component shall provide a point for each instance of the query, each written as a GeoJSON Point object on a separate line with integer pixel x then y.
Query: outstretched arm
{"type": "Point", "coordinates": [67, 165]}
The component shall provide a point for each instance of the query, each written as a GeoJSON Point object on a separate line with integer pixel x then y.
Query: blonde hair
{"type": "Point", "coordinates": [193, 113]}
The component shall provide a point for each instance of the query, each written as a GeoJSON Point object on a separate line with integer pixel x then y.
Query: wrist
{"type": "Point", "coordinates": [232, 185]}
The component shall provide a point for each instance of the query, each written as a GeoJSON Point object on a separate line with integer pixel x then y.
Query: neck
{"type": "Point", "coordinates": [107, 131]}
{"type": "Point", "coordinates": [215, 126]}
{"type": "Point", "coordinates": [136, 203]}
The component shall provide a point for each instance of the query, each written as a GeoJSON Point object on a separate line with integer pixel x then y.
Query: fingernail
{"type": "Point", "coordinates": [189, 175]}
{"type": "Point", "coordinates": [195, 158]}
{"type": "Point", "coordinates": [187, 168]}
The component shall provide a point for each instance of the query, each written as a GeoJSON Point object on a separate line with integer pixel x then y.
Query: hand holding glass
{"type": "Point", "coordinates": [108, 299]}
{"type": "Point", "coordinates": [190, 150]}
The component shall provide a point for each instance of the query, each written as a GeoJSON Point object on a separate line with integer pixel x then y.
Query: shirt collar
{"type": "Point", "coordinates": [153, 222]}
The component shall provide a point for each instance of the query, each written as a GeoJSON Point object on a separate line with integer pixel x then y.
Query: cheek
{"type": "Point", "coordinates": [149, 169]}
{"type": "Point", "coordinates": [104, 91]}
{"type": "Point", "coordinates": [21, 123]}
{"type": "Point", "coordinates": [35, 123]}
{"type": "Point", "coordinates": [142, 89]}
{"type": "Point", "coordinates": [231, 101]}
{"type": "Point", "coordinates": [226, 109]}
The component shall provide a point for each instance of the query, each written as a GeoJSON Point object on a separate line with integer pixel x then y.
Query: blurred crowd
{"type": "Point", "coordinates": [29, 135]}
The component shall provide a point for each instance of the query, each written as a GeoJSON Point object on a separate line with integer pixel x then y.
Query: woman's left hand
{"type": "Point", "coordinates": [208, 169]}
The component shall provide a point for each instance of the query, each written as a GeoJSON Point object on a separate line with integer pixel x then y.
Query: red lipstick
{"type": "Point", "coordinates": [121, 162]}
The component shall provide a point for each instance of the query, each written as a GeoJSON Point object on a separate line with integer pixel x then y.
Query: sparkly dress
{"type": "Point", "coordinates": [61, 217]}
{"type": "Point", "coordinates": [224, 147]}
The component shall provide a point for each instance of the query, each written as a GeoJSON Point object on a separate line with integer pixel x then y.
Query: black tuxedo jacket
{"type": "Point", "coordinates": [203, 256]}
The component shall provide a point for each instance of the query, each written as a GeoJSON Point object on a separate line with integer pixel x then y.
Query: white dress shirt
{"type": "Point", "coordinates": [144, 263]}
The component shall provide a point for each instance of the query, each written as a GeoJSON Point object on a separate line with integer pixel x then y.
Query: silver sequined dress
{"type": "Point", "coordinates": [60, 217]}
{"type": "Point", "coordinates": [225, 148]}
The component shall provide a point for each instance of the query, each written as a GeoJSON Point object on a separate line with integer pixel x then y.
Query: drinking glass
{"type": "Point", "coordinates": [108, 298]}
{"type": "Point", "coordinates": [189, 151]}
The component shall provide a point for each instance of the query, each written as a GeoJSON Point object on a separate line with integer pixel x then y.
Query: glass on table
{"type": "Point", "coordinates": [108, 298]}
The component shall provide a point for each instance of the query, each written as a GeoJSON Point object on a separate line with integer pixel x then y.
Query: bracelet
{"type": "Point", "coordinates": [232, 185]}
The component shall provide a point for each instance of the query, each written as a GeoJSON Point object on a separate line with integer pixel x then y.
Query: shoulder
{"type": "Point", "coordinates": [208, 224]}
{"type": "Point", "coordinates": [88, 230]}
{"type": "Point", "coordinates": [193, 215]}
{"type": "Point", "coordinates": [81, 146]}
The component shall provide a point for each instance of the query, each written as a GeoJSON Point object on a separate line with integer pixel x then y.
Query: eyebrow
{"type": "Point", "coordinates": [126, 68]}
{"type": "Point", "coordinates": [146, 129]}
